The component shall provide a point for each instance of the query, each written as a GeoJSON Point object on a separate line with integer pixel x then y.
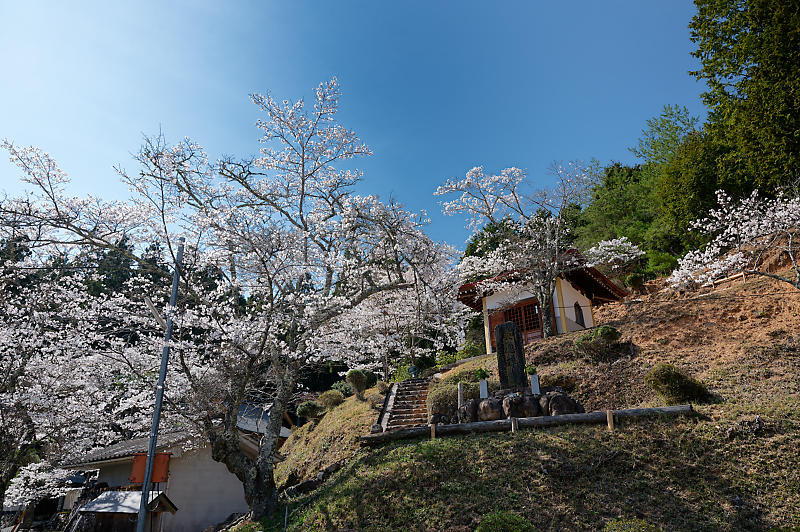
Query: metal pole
{"type": "Point", "coordinates": [162, 373]}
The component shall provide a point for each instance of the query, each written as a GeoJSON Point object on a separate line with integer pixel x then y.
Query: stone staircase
{"type": "Point", "coordinates": [409, 408]}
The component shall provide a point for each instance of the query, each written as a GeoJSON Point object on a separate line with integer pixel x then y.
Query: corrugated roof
{"type": "Point", "coordinates": [130, 447]}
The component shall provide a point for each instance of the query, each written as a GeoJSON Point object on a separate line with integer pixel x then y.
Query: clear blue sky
{"type": "Point", "coordinates": [434, 88]}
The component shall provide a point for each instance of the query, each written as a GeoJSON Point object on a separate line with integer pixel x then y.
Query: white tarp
{"type": "Point", "coordinates": [123, 502]}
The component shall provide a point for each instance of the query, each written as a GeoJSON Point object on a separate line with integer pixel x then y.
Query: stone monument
{"type": "Point", "coordinates": [510, 355]}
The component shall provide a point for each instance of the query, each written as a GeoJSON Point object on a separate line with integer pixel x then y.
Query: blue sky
{"type": "Point", "coordinates": [434, 88]}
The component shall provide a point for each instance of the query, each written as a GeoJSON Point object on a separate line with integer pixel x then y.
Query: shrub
{"type": "Point", "coordinates": [372, 378]}
{"type": "Point", "coordinates": [383, 387]}
{"type": "Point", "coordinates": [331, 399]}
{"type": "Point", "coordinates": [565, 382]}
{"type": "Point", "coordinates": [443, 396]}
{"type": "Point", "coordinates": [310, 410]}
{"type": "Point", "coordinates": [531, 369]}
{"type": "Point", "coordinates": [629, 525]}
{"type": "Point", "coordinates": [503, 521]}
{"type": "Point", "coordinates": [343, 387]}
{"type": "Point", "coordinates": [482, 373]}
{"type": "Point", "coordinates": [675, 386]}
{"type": "Point", "coordinates": [600, 344]}
{"type": "Point", "coordinates": [357, 381]}
{"type": "Point", "coordinates": [635, 281]}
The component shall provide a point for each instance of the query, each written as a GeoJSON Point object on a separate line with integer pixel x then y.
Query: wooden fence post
{"type": "Point", "coordinates": [610, 419]}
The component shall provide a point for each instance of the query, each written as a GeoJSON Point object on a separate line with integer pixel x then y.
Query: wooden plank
{"type": "Point", "coordinates": [504, 425]}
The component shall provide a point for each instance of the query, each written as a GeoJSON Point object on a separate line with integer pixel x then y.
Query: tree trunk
{"type": "Point", "coordinates": [257, 476]}
{"type": "Point", "coordinates": [546, 301]}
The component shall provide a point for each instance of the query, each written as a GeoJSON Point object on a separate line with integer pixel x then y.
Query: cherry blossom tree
{"type": "Point", "coordinates": [278, 247]}
{"type": "Point", "coordinates": [61, 359]}
{"type": "Point", "coordinates": [615, 256]}
{"type": "Point", "coordinates": [744, 236]}
{"type": "Point", "coordinates": [535, 244]}
{"type": "Point", "coordinates": [38, 481]}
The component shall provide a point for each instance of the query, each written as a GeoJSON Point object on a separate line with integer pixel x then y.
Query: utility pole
{"type": "Point", "coordinates": [162, 374]}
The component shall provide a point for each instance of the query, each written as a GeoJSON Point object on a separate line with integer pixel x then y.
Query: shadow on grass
{"type": "Point", "coordinates": [674, 476]}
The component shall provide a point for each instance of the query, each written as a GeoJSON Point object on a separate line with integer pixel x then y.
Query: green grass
{"type": "Point", "coordinates": [679, 475]}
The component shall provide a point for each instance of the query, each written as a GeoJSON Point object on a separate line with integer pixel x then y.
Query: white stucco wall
{"type": "Point", "coordinates": [569, 295]}
{"type": "Point", "coordinates": [117, 474]}
{"type": "Point", "coordinates": [204, 491]}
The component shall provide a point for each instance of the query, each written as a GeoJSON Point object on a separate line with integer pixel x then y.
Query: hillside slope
{"type": "Point", "coordinates": [734, 466]}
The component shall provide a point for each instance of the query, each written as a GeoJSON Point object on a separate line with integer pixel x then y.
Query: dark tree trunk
{"type": "Point", "coordinates": [257, 476]}
{"type": "Point", "coordinates": [545, 298]}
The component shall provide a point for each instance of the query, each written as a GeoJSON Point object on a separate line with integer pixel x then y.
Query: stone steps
{"type": "Point", "coordinates": [410, 407]}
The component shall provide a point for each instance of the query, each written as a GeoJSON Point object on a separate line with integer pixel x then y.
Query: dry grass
{"type": "Point", "coordinates": [724, 469]}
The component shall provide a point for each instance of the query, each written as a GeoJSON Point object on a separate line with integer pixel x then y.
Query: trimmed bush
{"type": "Point", "coordinates": [635, 281]}
{"type": "Point", "coordinates": [443, 396]}
{"type": "Point", "coordinates": [675, 386]}
{"type": "Point", "coordinates": [383, 387]}
{"type": "Point", "coordinates": [503, 521]}
{"type": "Point", "coordinates": [372, 378]}
{"type": "Point", "coordinates": [343, 387]}
{"type": "Point", "coordinates": [629, 525]}
{"type": "Point", "coordinates": [565, 382]}
{"type": "Point", "coordinates": [331, 399]}
{"type": "Point", "coordinates": [310, 409]}
{"type": "Point", "coordinates": [357, 381]}
{"type": "Point", "coordinates": [600, 344]}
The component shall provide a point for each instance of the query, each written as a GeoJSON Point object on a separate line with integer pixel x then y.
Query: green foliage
{"type": "Point", "coordinates": [663, 135]}
{"type": "Point", "coordinates": [357, 381]}
{"type": "Point", "coordinates": [310, 409]}
{"type": "Point", "coordinates": [599, 344]}
{"type": "Point", "coordinates": [343, 387]}
{"type": "Point", "coordinates": [401, 373]}
{"type": "Point", "coordinates": [687, 186]}
{"type": "Point", "coordinates": [469, 350]}
{"type": "Point", "coordinates": [659, 263]}
{"type": "Point", "coordinates": [482, 373]}
{"type": "Point", "coordinates": [629, 525]}
{"type": "Point", "coordinates": [372, 378]}
{"type": "Point", "coordinates": [635, 281]}
{"type": "Point", "coordinates": [749, 52]}
{"type": "Point", "coordinates": [621, 205]}
{"type": "Point", "coordinates": [331, 399]}
{"type": "Point", "coordinates": [675, 386]}
{"type": "Point", "coordinates": [531, 369]}
{"type": "Point", "coordinates": [489, 238]}
{"type": "Point", "coordinates": [504, 521]}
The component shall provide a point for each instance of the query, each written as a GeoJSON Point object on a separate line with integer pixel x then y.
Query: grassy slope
{"type": "Point", "coordinates": [713, 472]}
{"type": "Point", "coordinates": [334, 438]}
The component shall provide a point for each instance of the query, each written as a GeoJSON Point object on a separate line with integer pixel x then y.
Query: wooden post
{"type": "Point", "coordinates": [610, 419]}
{"type": "Point", "coordinates": [514, 425]}
{"type": "Point", "coordinates": [433, 431]}
{"type": "Point", "coordinates": [460, 395]}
